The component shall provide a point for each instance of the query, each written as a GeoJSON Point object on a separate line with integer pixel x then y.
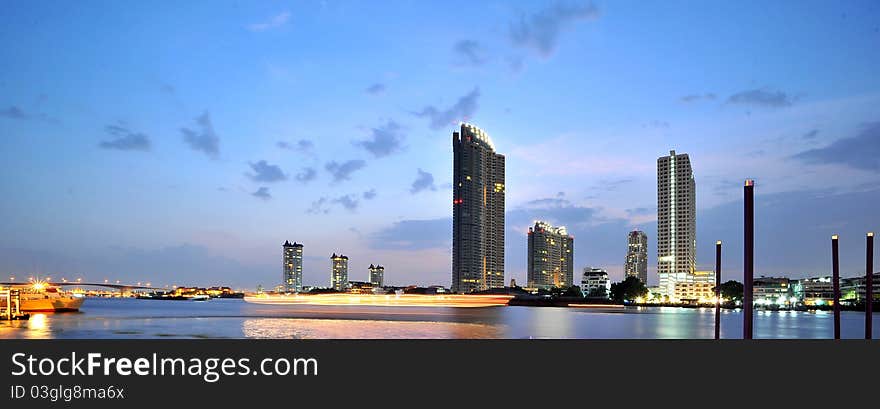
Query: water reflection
{"type": "Point", "coordinates": [288, 328]}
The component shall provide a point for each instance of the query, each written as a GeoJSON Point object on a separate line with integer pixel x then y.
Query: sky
{"type": "Point", "coordinates": [182, 144]}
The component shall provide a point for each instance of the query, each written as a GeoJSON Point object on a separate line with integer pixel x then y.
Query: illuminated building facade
{"type": "Point", "coordinates": [551, 256]}
{"type": "Point", "coordinates": [477, 212]}
{"type": "Point", "coordinates": [853, 290]}
{"type": "Point", "coordinates": [292, 267]}
{"type": "Point", "coordinates": [339, 272]}
{"type": "Point", "coordinates": [772, 291]}
{"type": "Point", "coordinates": [377, 275]}
{"type": "Point", "coordinates": [595, 283]}
{"type": "Point", "coordinates": [693, 292]}
{"type": "Point", "coordinates": [676, 220]}
{"type": "Point", "coordinates": [816, 291]}
{"type": "Point", "coordinates": [361, 287]}
{"type": "Point", "coordinates": [637, 256]}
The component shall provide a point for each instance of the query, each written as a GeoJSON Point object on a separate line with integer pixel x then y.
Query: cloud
{"type": "Point", "coordinates": [384, 140]}
{"type": "Point", "coordinates": [811, 134]}
{"type": "Point", "coordinates": [349, 202]}
{"type": "Point", "coordinates": [307, 174]}
{"type": "Point", "coordinates": [698, 97]}
{"type": "Point", "coordinates": [322, 205]}
{"type": "Point", "coordinates": [124, 139]}
{"type": "Point", "coordinates": [204, 139]}
{"type": "Point", "coordinates": [761, 97]}
{"type": "Point", "coordinates": [13, 112]}
{"type": "Point", "coordinates": [376, 89]}
{"type": "Point", "coordinates": [556, 210]}
{"type": "Point", "coordinates": [470, 52]}
{"type": "Point", "coordinates": [540, 31]}
{"type": "Point", "coordinates": [370, 194]}
{"type": "Point", "coordinates": [319, 206]}
{"type": "Point", "coordinates": [859, 152]}
{"type": "Point", "coordinates": [424, 181]}
{"type": "Point", "coordinates": [413, 235]}
{"type": "Point", "coordinates": [462, 110]}
{"type": "Point", "coordinates": [264, 172]}
{"type": "Point", "coordinates": [343, 171]}
{"type": "Point", "coordinates": [262, 193]}
{"type": "Point", "coordinates": [303, 146]}
{"type": "Point", "coordinates": [273, 22]}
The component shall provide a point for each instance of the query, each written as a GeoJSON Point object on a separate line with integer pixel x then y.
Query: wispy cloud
{"type": "Point", "coordinates": [349, 202]}
{"type": "Point", "coordinates": [370, 194]}
{"type": "Point", "coordinates": [859, 152]}
{"type": "Point", "coordinates": [470, 52]}
{"type": "Point", "coordinates": [384, 140]}
{"type": "Point", "coordinates": [540, 31]}
{"type": "Point", "coordinates": [462, 110]}
{"type": "Point", "coordinates": [303, 146]}
{"type": "Point", "coordinates": [124, 139]}
{"type": "Point", "coordinates": [343, 171]}
{"type": "Point", "coordinates": [698, 97]}
{"type": "Point", "coordinates": [307, 174]}
{"type": "Point", "coordinates": [424, 181]}
{"type": "Point", "coordinates": [264, 172]}
{"type": "Point", "coordinates": [376, 89]}
{"type": "Point", "coordinates": [273, 22]}
{"type": "Point", "coordinates": [262, 193]}
{"type": "Point", "coordinates": [13, 112]}
{"type": "Point", "coordinates": [203, 139]}
{"type": "Point", "coordinates": [761, 97]}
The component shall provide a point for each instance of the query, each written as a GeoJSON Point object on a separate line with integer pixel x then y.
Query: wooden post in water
{"type": "Point", "coordinates": [835, 283]}
{"type": "Point", "coordinates": [748, 255]}
{"type": "Point", "coordinates": [869, 285]}
{"type": "Point", "coordinates": [718, 289]}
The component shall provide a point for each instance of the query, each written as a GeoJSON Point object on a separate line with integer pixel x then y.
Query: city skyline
{"type": "Point", "coordinates": [186, 153]}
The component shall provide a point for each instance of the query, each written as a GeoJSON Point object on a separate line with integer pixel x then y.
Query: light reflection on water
{"type": "Point", "coordinates": [365, 329]}
{"type": "Point", "coordinates": [128, 318]}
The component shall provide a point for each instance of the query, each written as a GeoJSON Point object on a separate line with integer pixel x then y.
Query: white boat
{"type": "Point", "coordinates": [200, 297]}
{"type": "Point", "coordinates": [42, 298]}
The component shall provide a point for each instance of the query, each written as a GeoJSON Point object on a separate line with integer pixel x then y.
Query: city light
{"type": "Point", "coordinates": [397, 300]}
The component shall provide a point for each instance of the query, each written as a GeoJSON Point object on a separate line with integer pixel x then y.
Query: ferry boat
{"type": "Point", "coordinates": [383, 300]}
{"type": "Point", "coordinates": [40, 297]}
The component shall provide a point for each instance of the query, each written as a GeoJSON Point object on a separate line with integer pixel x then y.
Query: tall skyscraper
{"type": "Point", "coordinates": [377, 275]}
{"type": "Point", "coordinates": [292, 267]}
{"type": "Point", "coordinates": [339, 272]}
{"type": "Point", "coordinates": [676, 221]}
{"type": "Point", "coordinates": [477, 212]}
{"type": "Point", "coordinates": [551, 256]}
{"type": "Point", "coordinates": [637, 256]}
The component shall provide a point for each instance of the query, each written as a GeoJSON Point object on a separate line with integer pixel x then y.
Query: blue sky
{"type": "Point", "coordinates": [183, 143]}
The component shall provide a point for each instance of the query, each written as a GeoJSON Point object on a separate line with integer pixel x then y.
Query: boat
{"type": "Point", "coordinates": [200, 297]}
{"type": "Point", "coordinates": [383, 300]}
{"type": "Point", "coordinates": [40, 297]}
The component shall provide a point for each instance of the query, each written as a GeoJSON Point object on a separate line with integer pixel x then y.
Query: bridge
{"type": "Point", "coordinates": [120, 287]}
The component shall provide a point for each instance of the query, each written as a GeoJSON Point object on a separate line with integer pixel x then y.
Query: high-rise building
{"type": "Point", "coordinates": [477, 212]}
{"type": "Point", "coordinates": [292, 267]}
{"type": "Point", "coordinates": [377, 275]}
{"type": "Point", "coordinates": [551, 256]}
{"type": "Point", "coordinates": [595, 283]}
{"type": "Point", "coordinates": [637, 256]}
{"type": "Point", "coordinates": [339, 272]}
{"type": "Point", "coordinates": [676, 221]}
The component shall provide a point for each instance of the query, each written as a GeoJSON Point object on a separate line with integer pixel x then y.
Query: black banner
{"type": "Point", "coordinates": [178, 373]}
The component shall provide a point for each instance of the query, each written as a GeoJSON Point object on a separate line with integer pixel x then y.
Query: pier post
{"type": "Point", "coordinates": [748, 255]}
{"type": "Point", "coordinates": [835, 284]}
{"type": "Point", "coordinates": [718, 289]}
{"type": "Point", "coordinates": [869, 285]}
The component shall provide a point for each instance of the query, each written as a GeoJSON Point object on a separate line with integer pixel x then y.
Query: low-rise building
{"type": "Point", "coordinates": [693, 292]}
{"type": "Point", "coordinates": [772, 291]}
{"type": "Point", "coordinates": [595, 283]}
{"type": "Point", "coordinates": [816, 291]}
{"type": "Point", "coordinates": [853, 289]}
